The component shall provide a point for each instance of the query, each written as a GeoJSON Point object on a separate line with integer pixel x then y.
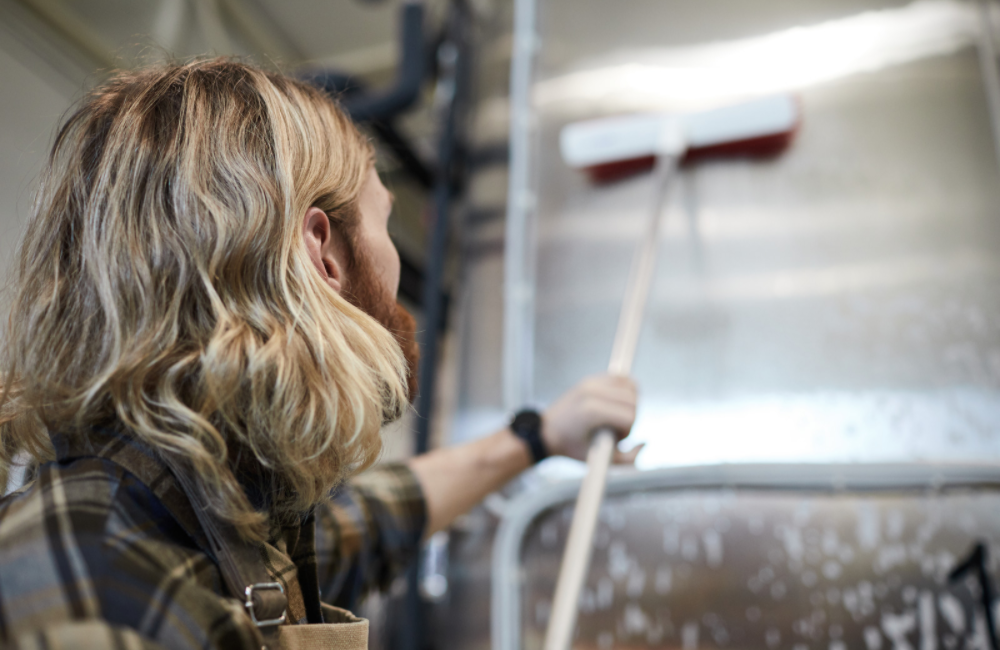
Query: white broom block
{"type": "Point", "coordinates": [626, 137]}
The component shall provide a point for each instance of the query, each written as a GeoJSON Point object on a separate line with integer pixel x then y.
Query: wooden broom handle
{"type": "Point", "coordinates": [576, 558]}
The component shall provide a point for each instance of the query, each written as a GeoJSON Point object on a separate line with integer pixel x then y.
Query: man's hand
{"type": "Point", "coordinates": [596, 402]}
{"type": "Point", "coordinates": [454, 479]}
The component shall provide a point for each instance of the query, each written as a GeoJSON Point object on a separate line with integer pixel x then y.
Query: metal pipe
{"type": "Point", "coordinates": [519, 253]}
{"type": "Point", "coordinates": [410, 161]}
{"type": "Point", "coordinates": [378, 108]}
{"type": "Point", "coordinates": [409, 73]}
{"type": "Point", "coordinates": [436, 254]}
{"type": "Point", "coordinates": [449, 93]}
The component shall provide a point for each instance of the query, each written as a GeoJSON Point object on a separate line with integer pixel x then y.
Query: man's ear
{"type": "Point", "coordinates": [324, 247]}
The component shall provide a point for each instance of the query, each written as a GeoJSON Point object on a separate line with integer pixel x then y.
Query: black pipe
{"type": "Point", "coordinates": [411, 287]}
{"type": "Point", "coordinates": [433, 280]}
{"type": "Point", "coordinates": [378, 108]}
{"type": "Point", "coordinates": [367, 107]}
{"type": "Point", "coordinates": [404, 153]}
{"type": "Point", "coordinates": [412, 632]}
{"type": "Point", "coordinates": [453, 73]}
{"type": "Point", "coordinates": [364, 105]}
{"type": "Point", "coordinates": [444, 190]}
{"type": "Point", "coordinates": [338, 85]}
{"type": "Point", "coordinates": [342, 88]}
{"type": "Point", "coordinates": [489, 156]}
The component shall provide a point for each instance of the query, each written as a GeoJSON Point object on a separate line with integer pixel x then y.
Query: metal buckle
{"type": "Point", "coordinates": [249, 603]}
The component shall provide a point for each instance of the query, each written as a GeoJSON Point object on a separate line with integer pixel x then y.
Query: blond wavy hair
{"type": "Point", "coordinates": [163, 286]}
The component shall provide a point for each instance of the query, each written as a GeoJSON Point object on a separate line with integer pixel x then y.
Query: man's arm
{"type": "Point", "coordinates": [454, 479]}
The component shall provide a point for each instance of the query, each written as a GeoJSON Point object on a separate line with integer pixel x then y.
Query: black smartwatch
{"type": "Point", "coordinates": [527, 425]}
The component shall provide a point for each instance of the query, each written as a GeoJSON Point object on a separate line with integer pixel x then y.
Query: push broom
{"type": "Point", "coordinates": [607, 149]}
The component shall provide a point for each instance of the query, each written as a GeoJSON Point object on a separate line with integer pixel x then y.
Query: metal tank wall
{"type": "Point", "coordinates": [757, 558]}
{"type": "Point", "coordinates": [835, 304]}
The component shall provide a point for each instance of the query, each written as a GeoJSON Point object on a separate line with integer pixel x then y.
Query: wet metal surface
{"type": "Point", "coordinates": [770, 569]}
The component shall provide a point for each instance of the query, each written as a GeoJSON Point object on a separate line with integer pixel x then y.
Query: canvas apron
{"type": "Point", "coordinates": [342, 630]}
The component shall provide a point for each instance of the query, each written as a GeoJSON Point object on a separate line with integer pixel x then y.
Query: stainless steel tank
{"type": "Point", "coordinates": [836, 305]}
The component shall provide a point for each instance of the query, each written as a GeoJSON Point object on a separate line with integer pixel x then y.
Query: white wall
{"type": "Point", "coordinates": [32, 102]}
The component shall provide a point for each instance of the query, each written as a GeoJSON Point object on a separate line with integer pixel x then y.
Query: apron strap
{"type": "Point", "coordinates": [241, 562]}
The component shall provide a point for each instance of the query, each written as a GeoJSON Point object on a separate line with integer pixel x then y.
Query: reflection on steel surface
{"type": "Point", "coordinates": [697, 76]}
{"type": "Point", "coordinates": [757, 569]}
{"type": "Point", "coordinates": [850, 286]}
{"type": "Point", "coordinates": [839, 303]}
{"type": "Point", "coordinates": [747, 555]}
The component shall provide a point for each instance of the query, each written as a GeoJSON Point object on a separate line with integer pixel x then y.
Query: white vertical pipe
{"type": "Point", "coordinates": [519, 263]}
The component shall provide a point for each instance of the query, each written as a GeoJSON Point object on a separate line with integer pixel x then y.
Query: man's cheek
{"type": "Point", "coordinates": [389, 267]}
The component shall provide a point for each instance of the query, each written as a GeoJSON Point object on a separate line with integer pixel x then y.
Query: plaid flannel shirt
{"type": "Point", "coordinates": [95, 556]}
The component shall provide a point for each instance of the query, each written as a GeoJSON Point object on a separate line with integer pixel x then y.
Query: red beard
{"type": "Point", "coordinates": [365, 291]}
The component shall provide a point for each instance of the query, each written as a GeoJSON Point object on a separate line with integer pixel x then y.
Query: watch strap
{"type": "Point", "coordinates": [527, 425]}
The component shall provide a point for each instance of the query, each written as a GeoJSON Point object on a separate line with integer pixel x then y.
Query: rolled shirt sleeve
{"type": "Point", "coordinates": [368, 532]}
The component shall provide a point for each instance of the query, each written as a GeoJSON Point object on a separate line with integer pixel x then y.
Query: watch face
{"type": "Point", "coordinates": [526, 420]}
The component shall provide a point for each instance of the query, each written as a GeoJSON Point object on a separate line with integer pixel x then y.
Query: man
{"type": "Point", "coordinates": [204, 344]}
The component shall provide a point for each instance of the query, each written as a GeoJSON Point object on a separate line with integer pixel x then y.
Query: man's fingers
{"type": "Point", "coordinates": [599, 401]}
{"type": "Point", "coordinates": [621, 415]}
{"type": "Point", "coordinates": [609, 394]}
{"type": "Point", "coordinates": [615, 417]}
{"type": "Point", "coordinates": [609, 382]}
{"type": "Point", "coordinates": [627, 457]}
{"type": "Point", "coordinates": [619, 394]}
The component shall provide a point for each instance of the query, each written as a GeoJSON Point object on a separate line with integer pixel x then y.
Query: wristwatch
{"type": "Point", "coordinates": [527, 425]}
